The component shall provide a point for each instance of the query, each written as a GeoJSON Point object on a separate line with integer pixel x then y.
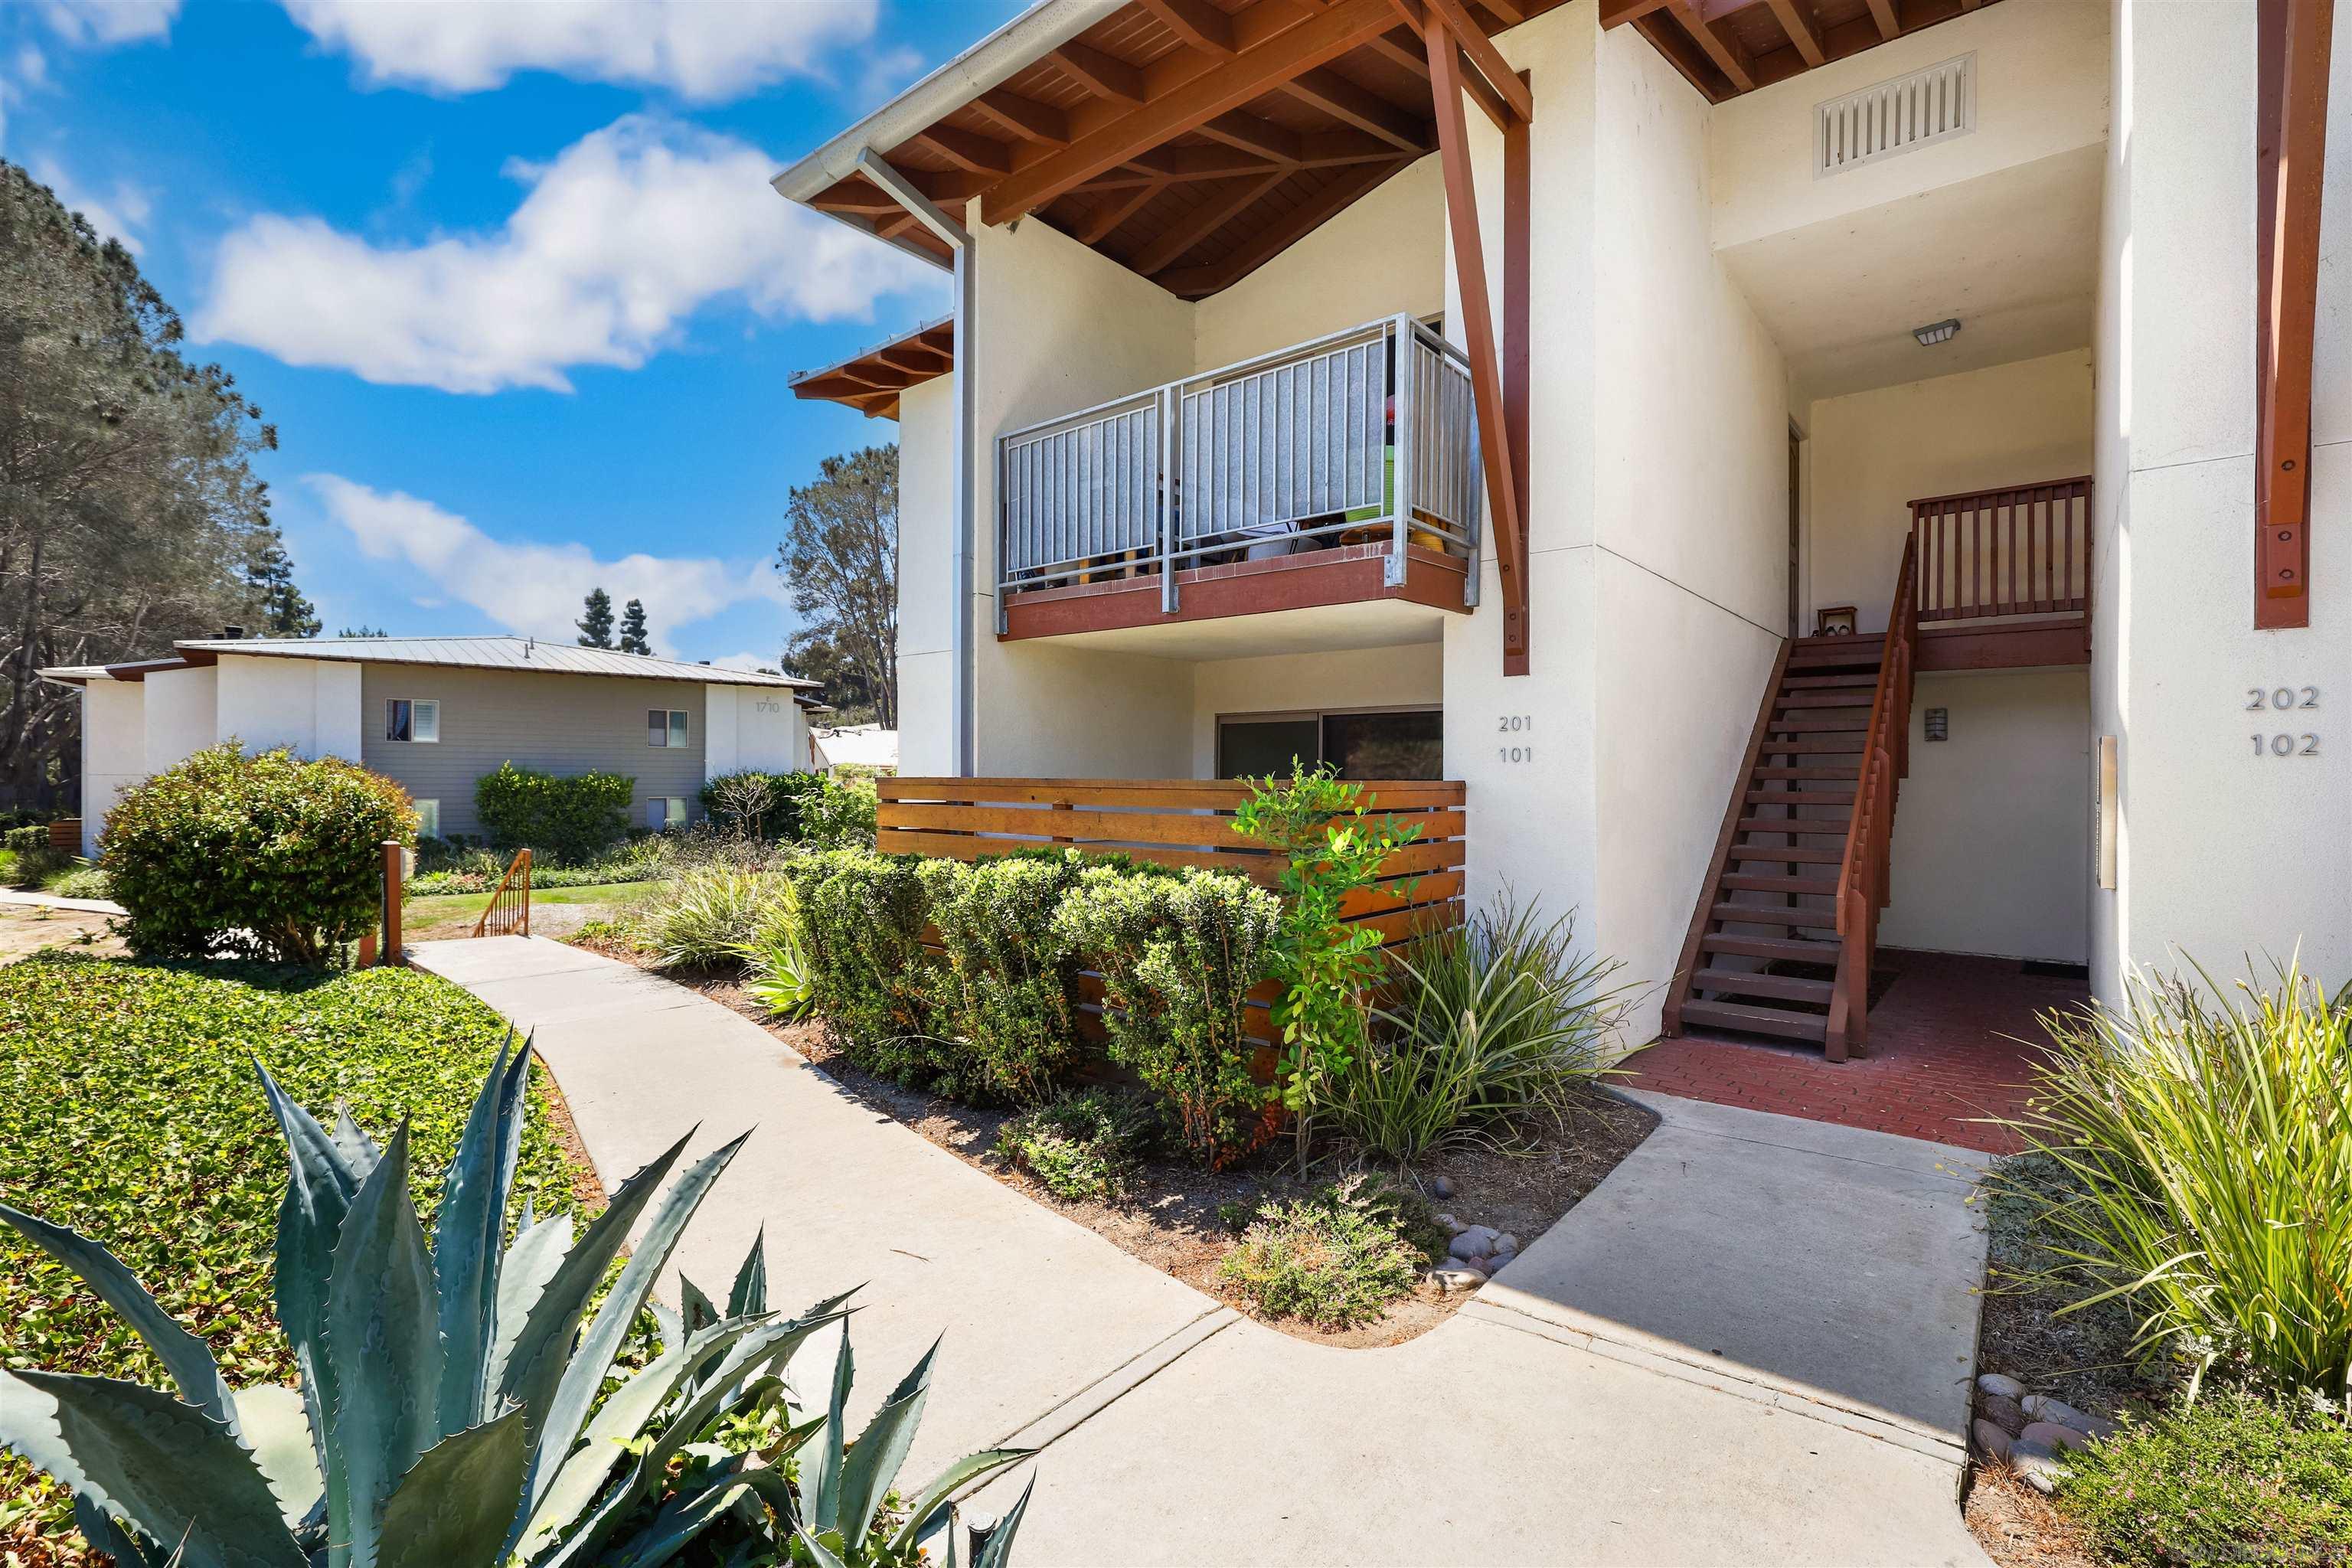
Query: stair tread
{"type": "Point", "coordinates": [1802, 826]}
{"type": "Point", "coordinates": [1775, 915]}
{"type": "Point", "coordinates": [1815, 726]}
{"type": "Point", "coordinates": [1836, 696]}
{"type": "Point", "coordinates": [1795, 949]}
{"type": "Point", "coordinates": [1823, 682]}
{"type": "Point", "coordinates": [1755, 982]}
{"type": "Point", "coordinates": [1788, 854]}
{"type": "Point", "coordinates": [1800, 797]}
{"type": "Point", "coordinates": [1845, 775]}
{"type": "Point", "coordinates": [1757, 1020]}
{"type": "Point", "coordinates": [1805, 746]}
{"type": "Point", "coordinates": [1756, 883]}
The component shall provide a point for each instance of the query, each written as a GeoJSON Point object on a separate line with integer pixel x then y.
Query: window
{"type": "Point", "coordinates": [405, 719]}
{"type": "Point", "coordinates": [665, 727]}
{"type": "Point", "coordinates": [665, 812]}
{"type": "Point", "coordinates": [1393, 743]}
{"type": "Point", "coordinates": [428, 819]}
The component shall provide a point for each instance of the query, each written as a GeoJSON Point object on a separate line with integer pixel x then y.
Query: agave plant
{"type": "Point", "coordinates": [452, 1409]}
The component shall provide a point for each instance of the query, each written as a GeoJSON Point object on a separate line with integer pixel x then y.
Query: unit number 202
{"type": "Point", "coordinates": [2281, 699]}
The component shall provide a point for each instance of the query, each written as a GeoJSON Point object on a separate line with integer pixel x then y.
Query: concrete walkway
{"type": "Point", "coordinates": [1751, 1345]}
{"type": "Point", "coordinates": [51, 901]}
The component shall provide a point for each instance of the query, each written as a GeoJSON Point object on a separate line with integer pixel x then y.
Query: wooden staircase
{"type": "Point", "coordinates": [1781, 942]}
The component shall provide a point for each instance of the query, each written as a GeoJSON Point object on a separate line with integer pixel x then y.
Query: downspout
{"type": "Point", "coordinates": [964, 479]}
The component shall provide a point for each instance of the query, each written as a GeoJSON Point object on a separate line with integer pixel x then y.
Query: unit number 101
{"type": "Point", "coordinates": [1515, 724]}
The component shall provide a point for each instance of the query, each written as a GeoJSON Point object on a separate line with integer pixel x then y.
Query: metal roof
{"type": "Point", "coordinates": [463, 653]}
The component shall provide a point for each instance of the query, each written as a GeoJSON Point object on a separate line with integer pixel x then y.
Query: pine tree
{"type": "Point", "coordinates": [363, 630]}
{"type": "Point", "coordinates": [285, 613]}
{"type": "Point", "coordinates": [632, 628]}
{"type": "Point", "coordinates": [596, 625]}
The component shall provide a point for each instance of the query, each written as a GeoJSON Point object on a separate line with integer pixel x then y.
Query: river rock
{"type": "Point", "coordinates": [2057, 1435]}
{"type": "Point", "coordinates": [1497, 1261]}
{"type": "Point", "coordinates": [2002, 1412]}
{"type": "Point", "coordinates": [1476, 1241]}
{"type": "Point", "coordinates": [2000, 1384]}
{"type": "Point", "coordinates": [1992, 1441]}
{"type": "Point", "coordinates": [1454, 1276]}
{"type": "Point", "coordinates": [2037, 1463]}
{"type": "Point", "coordinates": [2042, 1408]}
{"type": "Point", "coordinates": [1441, 1187]}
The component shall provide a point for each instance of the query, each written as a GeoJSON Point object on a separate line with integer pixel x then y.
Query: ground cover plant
{"type": "Point", "coordinates": [1083, 1145]}
{"type": "Point", "coordinates": [1336, 1258]}
{"type": "Point", "coordinates": [129, 1112]}
{"type": "Point", "coordinates": [268, 855]}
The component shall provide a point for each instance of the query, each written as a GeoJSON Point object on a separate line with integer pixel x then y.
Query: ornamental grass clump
{"type": "Point", "coordinates": [777, 971]}
{"type": "Point", "coordinates": [265, 856]}
{"type": "Point", "coordinates": [707, 915]}
{"type": "Point", "coordinates": [2213, 1145]}
{"type": "Point", "coordinates": [1335, 1258]}
{"type": "Point", "coordinates": [1482, 1021]}
{"type": "Point", "coordinates": [1011, 987]}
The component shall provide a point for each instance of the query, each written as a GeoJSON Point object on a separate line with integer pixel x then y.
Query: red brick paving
{"type": "Point", "coordinates": [1944, 1053]}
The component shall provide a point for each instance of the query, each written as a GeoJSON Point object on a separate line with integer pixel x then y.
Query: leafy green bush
{"type": "Point", "coordinates": [706, 917]}
{"type": "Point", "coordinates": [840, 815]}
{"type": "Point", "coordinates": [756, 804]}
{"type": "Point", "coordinates": [29, 856]}
{"type": "Point", "coordinates": [270, 855]}
{"type": "Point", "coordinates": [572, 820]}
{"type": "Point", "coordinates": [2230, 1478]}
{"type": "Point", "coordinates": [2213, 1148]}
{"type": "Point", "coordinates": [83, 881]}
{"type": "Point", "coordinates": [1012, 984]}
{"type": "Point", "coordinates": [128, 1111]}
{"type": "Point", "coordinates": [1335, 1259]}
{"type": "Point", "coordinates": [1326, 968]}
{"type": "Point", "coordinates": [1178, 956]}
{"type": "Point", "coordinates": [1083, 1145]}
{"type": "Point", "coordinates": [777, 973]}
{"type": "Point", "coordinates": [878, 992]}
{"type": "Point", "coordinates": [1484, 1019]}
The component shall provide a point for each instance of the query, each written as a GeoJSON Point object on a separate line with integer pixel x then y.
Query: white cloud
{"type": "Point", "coordinates": [121, 213]}
{"type": "Point", "coordinates": [749, 663]}
{"type": "Point", "coordinates": [706, 50]}
{"type": "Point", "coordinates": [531, 588]}
{"type": "Point", "coordinates": [627, 232]}
{"type": "Point", "coordinates": [106, 22]}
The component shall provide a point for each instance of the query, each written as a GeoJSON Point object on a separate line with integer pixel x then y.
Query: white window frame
{"type": "Point", "coordinates": [669, 819]}
{"type": "Point", "coordinates": [420, 710]}
{"type": "Point", "coordinates": [428, 819]}
{"type": "Point", "coordinates": [676, 729]}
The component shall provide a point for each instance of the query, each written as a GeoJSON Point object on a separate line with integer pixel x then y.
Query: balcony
{"type": "Point", "coordinates": [1341, 472]}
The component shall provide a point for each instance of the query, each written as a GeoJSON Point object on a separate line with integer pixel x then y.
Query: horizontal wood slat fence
{"type": "Point", "coordinates": [2022, 551]}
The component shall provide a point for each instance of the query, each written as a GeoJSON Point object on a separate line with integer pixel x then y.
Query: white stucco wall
{"type": "Point", "coordinates": [180, 710]}
{"type": "Point", "coordinates": [113, 749]}
{"type": "Point", "coordinates": [1410, 675]}
{"type": "Point", "coordinates": [1992, 832]}
{"type": "Point", "coordinates": [925, 525]}
{"type": "Point", "coordinates": [2222, 852]}
{"type": "Point", "coordinates": [1385, 254]}
{"type": "Point", "coordinates": [752, 727]}
{"type": "Point", "coordinates": [1872, 452]}
{"type": "Point", "coordinates": [308, 705]}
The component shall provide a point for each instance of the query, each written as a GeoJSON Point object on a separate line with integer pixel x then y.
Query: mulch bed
{"type": "Point", "coordinates": [1168, 1217]}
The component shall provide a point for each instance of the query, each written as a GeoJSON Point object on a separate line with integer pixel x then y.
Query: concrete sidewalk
{"type": "Point", "coordinates": [1751, 1345]}
{"type": "Point", "coordinates": [51, 901]}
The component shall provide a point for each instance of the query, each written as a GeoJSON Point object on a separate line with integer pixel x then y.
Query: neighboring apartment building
{"type": "Point", "coordinates": [434, 714]}
{"type": "Point", "coordinates": [1698, 319]}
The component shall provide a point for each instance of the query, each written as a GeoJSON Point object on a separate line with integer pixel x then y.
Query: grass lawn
{"type": "Point", "coordinates": [454, 914]}
{"type": "Point", "coordinates": [128, 1110]}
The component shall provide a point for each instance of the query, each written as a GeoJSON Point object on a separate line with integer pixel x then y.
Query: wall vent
{"type": "Point", "coordinates": [1894, 117]}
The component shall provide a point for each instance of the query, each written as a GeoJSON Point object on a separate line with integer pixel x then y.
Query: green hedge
{"type": "Point", "coordinates": [570, 819]}
{"type": "Point", "coordinates": [1011, 989]}
{"type": "Point", "coordinates": [129, 1110]}
{"type": "Point", "coordinates": [870, 979]}
{"type": "Point", "coordinates": [271, 856]}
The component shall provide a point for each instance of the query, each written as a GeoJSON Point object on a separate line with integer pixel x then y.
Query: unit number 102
{"type": "Point", "coordinates": [2303, 745]}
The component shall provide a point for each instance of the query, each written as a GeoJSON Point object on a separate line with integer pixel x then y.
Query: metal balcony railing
{"type": "Point", "coordinates": [1366, 435]}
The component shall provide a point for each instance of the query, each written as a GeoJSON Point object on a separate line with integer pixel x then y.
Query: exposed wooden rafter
{"type": "Point", "coordinates": [2292, 39]}
{"type": "Point", "coordinates": [1725, 48]}
{"type": "Point", "coordinates": [1200, 24]}
{"type": "Point", "coordinates": [1271, 241]}
{"type": "Point", "coordinates": [1202, 222]}
{"type": "Point", "coordinates": [1102, 74]}
{"type": "Point", "coordinates": [1802, 35]}
{"type": "Point", "coordinates": [1334, 95]}
{"type": "Point", "coordinates": [1024, 117]}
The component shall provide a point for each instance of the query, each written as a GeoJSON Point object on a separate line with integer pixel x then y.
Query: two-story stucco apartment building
{"type": "Point", "coordinates": [1681, 421]}
{"type": "Point", "coordinates": [434, 714]}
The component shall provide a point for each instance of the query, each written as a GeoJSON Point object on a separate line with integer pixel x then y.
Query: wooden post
{"type": "Point", "coordinates": [392, 952]}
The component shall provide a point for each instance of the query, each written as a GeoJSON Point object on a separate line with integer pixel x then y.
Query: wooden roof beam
{"type": "Point", "coordinates": [1024, 117]}
{"type": "Point", "coordinates": [1359, 106]}
{"type": "Point", "coordinates": [1193, 282]}
{"type": "Point", "coordinates": [1730, 57]}
{"type": "Point", "coordinates": [1110, 215]}
{"type": "Point", "coordinates": [1278, 144]}
{"type": "Point", "coordinates": [2293, 44]}
{"type": "Point", "coordinates": [1422, 15]}
{"type": "Point", "coordinates": [1802, 35]}
{"type": "Point", "coordinates": [1276, 40]}
{"type": "Point", "coordinates": [1099, 73]}
{"type": "Point", "coordinates": [1402, 52]}
{"type": "Point", "coordinates": [1617, 13]}
{"type": "Point", "coordinates": [1890, 26]}
{"type": "Point", "coordinates": [1202, 222]}
{"type": "Point", "coordinates": [1186, 166]}
{"type": "Point", "coordinates": [979, 154]}
{"type": "Point", "coordinates": [1200, 24]}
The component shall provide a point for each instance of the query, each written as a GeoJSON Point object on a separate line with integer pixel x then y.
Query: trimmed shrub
{"type": "Point", "coordinates": [839, 815]}
{"type": "Point", "coordinates": [570, 819]}
{"type": "Point", "coordinates": [862, 921]}
{"type": "Point", "coordinates": [1082, 1145]}
{"type": "Point", "coordinates": [1178, 955]}
{"type": "Point", "coordinates": [1011, 989]}
{"type": "Point", "coordinates": [756, 804]}
{"type": "Point", "coordinates": [1335, 1259]}
{"type": "Point", "coordinates": [2231, 1478]}
{"type": "Point", "coordinates": [84, 881]}
{"type": "Point", "coordinates": [268, 855]}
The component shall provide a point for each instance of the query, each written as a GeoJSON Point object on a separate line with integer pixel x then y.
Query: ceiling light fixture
{"type": "Point", "coordinates": [1935, 333]}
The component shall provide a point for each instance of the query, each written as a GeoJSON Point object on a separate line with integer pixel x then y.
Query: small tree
{"type": "Point", "coordinates": [596, 624]}
{"type": "Point", "coordinates": [270, 856]}
{"type": "Point", "coordinates": [285, 613]}
{"type": "Point", "coordinates": [840, 558]}
{"type": "Point", "coordinates": [633, 638]}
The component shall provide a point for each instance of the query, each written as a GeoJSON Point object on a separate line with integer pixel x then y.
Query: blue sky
{"type": "Point", "coordinates": [506, 276]}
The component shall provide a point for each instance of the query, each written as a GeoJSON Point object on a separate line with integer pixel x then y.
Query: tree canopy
{"type": "Point", "coordinates": [129, 513]}
{"type": "Point", "coordinates": [595, 622]}
{"type": "Point", "coordinates": [634, 637]}
{"type": "Point", "coordinates": [840, 559]}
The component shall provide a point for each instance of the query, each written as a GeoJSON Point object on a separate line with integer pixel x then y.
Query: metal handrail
{"type": "Point", "coordinates": [1368, 430]}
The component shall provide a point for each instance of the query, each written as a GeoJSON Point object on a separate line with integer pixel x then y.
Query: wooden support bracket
{"type": "Point", "coordinates": [2291, 145]}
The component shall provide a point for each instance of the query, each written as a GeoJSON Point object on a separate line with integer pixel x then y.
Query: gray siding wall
{"type": "Point", "coordinates": [561, 724]}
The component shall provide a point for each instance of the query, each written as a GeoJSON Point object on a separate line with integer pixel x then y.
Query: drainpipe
{"type": "Point", "coordinates": [965, 481]}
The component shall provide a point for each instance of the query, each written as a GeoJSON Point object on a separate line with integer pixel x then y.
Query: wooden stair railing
{"type": "Point", "coordinates": [1862, 884]}
{"type": "Point", "coordinates": [509, 910]}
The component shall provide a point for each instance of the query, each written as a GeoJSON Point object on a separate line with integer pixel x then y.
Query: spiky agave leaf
{"type": "Point", "coordinates": [931, 1505]}
{"type": "Point", "coordinates": [872, 1463]}
{"type": "Point", "coordinates": [173, 1471]}
{"type": "Point", "coordinates": [821, 1477]}
{"type": "Point", "coordinates": [452, 1510]}
{"type": "Point", "coordinates": [274, 1423]}
{"type": "Point", "coordinates": [998, 1550]}
{"type": "Point", "coordinates": [469, 1237]}
{"type": "Point", "coordinates": [750, 1293]}
{"type": "Point", "coordinates": [188, 1358]}
{"type": "Point", "coordinates": [582, 1379]}
{"type": "Point", "coordinates": [320, 1184]}
{"type": "Point", "coordinates": [683, 1518]}
{"type": "Point", "coordinates": [385, 1353]}
{"type": "Point", "coordinates": [695, 1310]}
{"type": "Point", "coordinates": [538, 1252]}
